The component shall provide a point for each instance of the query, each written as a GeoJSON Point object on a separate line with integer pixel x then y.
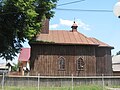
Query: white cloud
{"type": "Point", "coordinates": [54, 26]}
{"type": "Point", "coordinates": [66, 22]}
{"type": "Point", "coordinates": [83, 25]}
{"type": "Point", "coordinates": [69, 23]}
{"type": "Point", "coordinates": [78, 22]}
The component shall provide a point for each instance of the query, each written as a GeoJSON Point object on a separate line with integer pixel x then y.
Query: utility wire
{"type": "Point", "coordinates": [83, 10]}
{"type": "Point", "coordinates": [63, 9]}
{"type": "Point", "coordinates": [71, 2]}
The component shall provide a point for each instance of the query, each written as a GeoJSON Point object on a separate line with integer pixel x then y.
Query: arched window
{"type": "Point", "coordinates": [61, 63]}
{"type": "Point", "coordinates": [80, 64]}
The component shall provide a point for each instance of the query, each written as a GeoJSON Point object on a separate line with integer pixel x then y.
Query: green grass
{"type": "Point", "coordinates": [115, 86]}
{"type": "Point", "coordinates": [83, 87]}
{"type": "Point", "coordinates": [19, 88]}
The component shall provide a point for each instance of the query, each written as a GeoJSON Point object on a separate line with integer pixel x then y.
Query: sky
{"type": "Point", "coordinates": [104, 26]}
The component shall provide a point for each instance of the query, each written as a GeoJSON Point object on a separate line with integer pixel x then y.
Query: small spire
{"type": "Point", "coordinates": [74, 20]}
{"type": "Point", "coordinates": [74, 27]}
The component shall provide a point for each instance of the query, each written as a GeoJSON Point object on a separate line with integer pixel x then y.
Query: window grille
{"type": "Point", "coordinates": [61, 63]}
{"type": "Point", "coordinates": [80, 64]}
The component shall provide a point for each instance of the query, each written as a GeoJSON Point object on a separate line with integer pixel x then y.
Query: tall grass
{"type": "Point", "coordinates": [82, 87]}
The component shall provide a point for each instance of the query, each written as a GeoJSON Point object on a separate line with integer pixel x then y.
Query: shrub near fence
{"type": "Point", "coordinates": [48, 81]}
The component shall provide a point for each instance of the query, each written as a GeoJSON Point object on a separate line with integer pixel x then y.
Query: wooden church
{"type": "Point", "coordinates": [67, 52]}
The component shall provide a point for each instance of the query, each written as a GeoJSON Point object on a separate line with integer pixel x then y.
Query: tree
{"type": "Point", "coordinates": [118, 53]}
{"type": "Point", "coordinates": [15, 67]}
{"type": "Point", "coordinates": [20, 20]}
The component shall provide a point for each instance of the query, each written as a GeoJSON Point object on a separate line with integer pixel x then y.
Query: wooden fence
{"type": "Point", "coordinates": [48, 81]}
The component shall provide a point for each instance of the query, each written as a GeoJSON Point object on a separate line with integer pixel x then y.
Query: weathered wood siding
{"type": "Point", "coordinates": [103, 61]}
{"type": "Point", "coordinates": [116, 73]}
{"type": "Point", "coordinates": [44, 59]}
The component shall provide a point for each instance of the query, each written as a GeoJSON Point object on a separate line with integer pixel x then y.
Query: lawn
{"type": "Point", "coordinates": [83, 87]}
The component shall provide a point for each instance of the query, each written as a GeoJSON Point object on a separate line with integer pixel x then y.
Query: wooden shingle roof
{"type": "Point", "coordinates": [65, 37]}
{"type": "Point", "coordinates": [69, 37]}
{"type": "Point", "coordinates": [101, 44]}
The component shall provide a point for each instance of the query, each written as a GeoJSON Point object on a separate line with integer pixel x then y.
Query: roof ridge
{"type": "Point", "coordinates": [101, 41]}
{"type": "Point", "coordinates": [87, 38]}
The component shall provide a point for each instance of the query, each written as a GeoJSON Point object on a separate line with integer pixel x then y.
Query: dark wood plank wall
{"type": "Point", "coordinates": [103, 61]}
{"type": "Point", "coordinates": [44, 60]}
{"type": "Point", "coordinates": [116, 73]}
{"type": "Point", "coordinates": [108, 67]}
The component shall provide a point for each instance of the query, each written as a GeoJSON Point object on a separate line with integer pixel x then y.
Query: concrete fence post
{"type": "Point", "coordinates": [38, 81]}
{"type": "Point", "coordinates": [72, 82]}
{"type": "Point", "coordinates": [103, 83]}
{"type": "Point", "coordinates": [3, 81]}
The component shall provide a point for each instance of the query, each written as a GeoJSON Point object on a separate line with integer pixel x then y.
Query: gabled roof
{"type": "Point", "coordinates": [24, 54]}
{"type": "Point", "coordinates": [116, 59]}
{"type": "Point", "coordinates": [3, 66]}
{"type": "Point", "coordinates": [69, 37]}
{"type": "Point", "coordinates": [116, 63]}
{"type": "Point", "coordinates": [65, 37]}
